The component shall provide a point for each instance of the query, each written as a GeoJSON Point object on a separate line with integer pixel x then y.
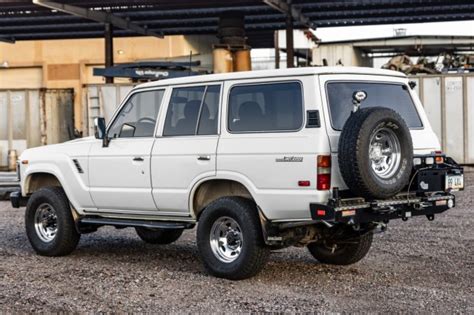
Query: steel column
{"type": "Point", "coordinates": [289, 38]}
{"type": "Point", "coordinates": [277, 50]}
{"type": "Point", "coordinates": [109, 50]}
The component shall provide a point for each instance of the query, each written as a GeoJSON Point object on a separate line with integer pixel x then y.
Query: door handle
{"type": "Point", "coordinates": [204, 158]}
{"type": "Point", "coordinates": [138, 159]}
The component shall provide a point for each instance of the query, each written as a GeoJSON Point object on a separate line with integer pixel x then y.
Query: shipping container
{"type": "Point", "coordinates": [449, 105]}
{"type": "Point", "coordinates": [34, 117]}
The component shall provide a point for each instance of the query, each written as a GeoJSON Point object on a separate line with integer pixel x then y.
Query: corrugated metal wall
{"type": "Point", "coordinates": [33, 117]}
{"type": "Point", "coordinates": [449, 104]}
{"type": "Point", "coordinates": [101, 101]}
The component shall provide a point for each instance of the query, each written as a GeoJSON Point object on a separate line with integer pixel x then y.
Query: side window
{"type": "Point", "coordinates": [193, 110]}
{"type": "Point", "coordinates": [137, 118]}
{"type": "Point", "coordinates": [210, 111]}
{"type": "Point", "coordinates": [266, 107]}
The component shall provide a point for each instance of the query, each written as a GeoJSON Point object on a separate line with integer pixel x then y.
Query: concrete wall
{"type": "Point", "coordinates": [340, 53]}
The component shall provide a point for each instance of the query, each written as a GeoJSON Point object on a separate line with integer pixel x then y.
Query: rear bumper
{"type": "Point", "coordinates": [428, 193]}
{"type": "Point", "coordinates": [358, 211]}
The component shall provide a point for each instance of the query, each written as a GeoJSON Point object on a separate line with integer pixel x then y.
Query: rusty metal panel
{"type": "Point", "coordinates": [449, 105]}
{"type": "Point", "coordinates": [432, 102]}
{"type": "Point", "coordinates": [454, 117]}
{"type": "Point", "coordinates": [33, 126]}
{"type": "Point", "coordinates": [469, 107]}
{"type": "Point", "coordinates": [3, 129]}
{"type": "Point", "coordinates": [57, 113]}
{"type": "Point", "coordinates": [23, 122]}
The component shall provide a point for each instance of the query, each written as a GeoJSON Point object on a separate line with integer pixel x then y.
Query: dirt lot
{"type": "Point", "coordinates": [417, 266]}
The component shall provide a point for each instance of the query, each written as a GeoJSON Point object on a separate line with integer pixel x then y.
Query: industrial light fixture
{"type": "Point", "coordinates": [120, 52]}
{"type": "Point", "coordinates": [4, 64]}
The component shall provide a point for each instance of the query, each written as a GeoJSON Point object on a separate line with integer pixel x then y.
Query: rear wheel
{"type": "Point", "coordinates": [230, 239]}
{"type": "Point", "coordinates": [158, 236]}
{"type": "Point", "coordinates": [49, 223]}
{"type": "Point", "coordinates": [344, 249]}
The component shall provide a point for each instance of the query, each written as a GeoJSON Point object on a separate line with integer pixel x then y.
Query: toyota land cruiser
{"type": "Point", "coordinates": [314, 157]}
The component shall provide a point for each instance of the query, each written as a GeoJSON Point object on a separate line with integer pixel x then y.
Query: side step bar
{"type": "Point", "coordinates": [87, 221]}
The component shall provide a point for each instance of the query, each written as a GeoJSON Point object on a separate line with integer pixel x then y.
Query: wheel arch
{"type": "Point", "coordinates": [37, 180]}
{"type": "Point", "coordinates": [209, 190]}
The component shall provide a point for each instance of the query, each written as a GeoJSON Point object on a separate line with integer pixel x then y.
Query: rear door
{"type": "Point", "coordinates": [383, 91]}
{"type": "Point", "coordinates": [185, 151]}
{"type": "Point", "coordinates": [265, 144]}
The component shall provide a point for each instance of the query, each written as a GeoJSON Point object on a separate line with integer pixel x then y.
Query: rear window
{"type": "Point", "coordinates": [394, 96]}
{"type": "Point", "coordinates": [266, 107]}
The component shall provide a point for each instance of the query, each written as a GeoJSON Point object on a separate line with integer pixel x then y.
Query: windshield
{"type": "Point", "coordinates": [391, 95]}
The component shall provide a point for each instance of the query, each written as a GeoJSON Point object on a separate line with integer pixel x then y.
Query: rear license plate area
{"type": "Point", "coordinates": [454, 182]}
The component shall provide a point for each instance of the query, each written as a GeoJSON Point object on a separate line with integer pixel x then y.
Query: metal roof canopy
{"type": "Point", "coordinates": [23, 20]}
{"type": "Point", "coordinates": [412, 45]}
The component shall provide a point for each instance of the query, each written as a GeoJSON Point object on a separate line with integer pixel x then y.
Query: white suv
{"type": "Point", "coordinates": [316, 157]}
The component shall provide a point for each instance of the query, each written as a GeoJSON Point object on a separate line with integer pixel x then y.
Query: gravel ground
{"type": "Point", "coordinates": [416, 266]}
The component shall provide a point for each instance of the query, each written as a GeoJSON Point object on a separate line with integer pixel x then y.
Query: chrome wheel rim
{"type": "Point", "coordinates": [46, 222]}
{"type": "Point", "coordinates": [226, 239]}
{"type": "Point", "coordinates": [384, 152]}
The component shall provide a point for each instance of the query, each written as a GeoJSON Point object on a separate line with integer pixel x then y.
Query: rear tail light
{"type": "Point", "coordinates": [439, 158]}
{"type": "Point", "coordinates": [323, 181]}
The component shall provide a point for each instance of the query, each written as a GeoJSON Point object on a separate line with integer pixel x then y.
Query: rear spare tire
{"type": "Point", "coordinates": [375, 153]}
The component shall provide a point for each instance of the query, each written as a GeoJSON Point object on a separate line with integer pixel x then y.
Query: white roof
{"type": "Point", "coordinates": [272, 73]}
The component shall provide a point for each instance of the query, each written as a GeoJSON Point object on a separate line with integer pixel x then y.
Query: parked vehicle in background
{"type": "Point", "coordinates": [315, 157]}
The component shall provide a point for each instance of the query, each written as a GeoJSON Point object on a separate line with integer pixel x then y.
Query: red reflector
{"type": "Point", "coordinates": [304, 183]}
{"type": "Point", "coordinates": [321, 212]}
{"type": "Point", "coordinates": [324, 181]}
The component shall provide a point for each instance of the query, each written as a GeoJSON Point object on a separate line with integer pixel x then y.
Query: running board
{"type": "Point", "coordinates": [136, 223]}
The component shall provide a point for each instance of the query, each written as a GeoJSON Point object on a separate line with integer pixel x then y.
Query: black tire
{"type": "Point", "coordinates": [66, 237]}
{"type": "Point", "coordinates": [253, 254]}
{"type": "Point", "coordinates": [353, 155]}
{"type": "Point", "coordinates": [346, 252]}
{"type": "Point", "coordinates": [158, 236]}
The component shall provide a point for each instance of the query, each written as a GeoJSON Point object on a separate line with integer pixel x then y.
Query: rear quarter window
{"type": "Point", "coordinates": [266, 107]}
{"type": "Point", "coordinates": [390, 95]}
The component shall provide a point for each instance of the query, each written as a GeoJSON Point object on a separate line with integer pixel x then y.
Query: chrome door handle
{"type": "Point", "coordinates": [138, 159]}
{"type": "Point", "coordinates": [204, 158]}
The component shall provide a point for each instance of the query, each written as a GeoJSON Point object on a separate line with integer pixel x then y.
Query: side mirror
{"type": "Point", "coordinates": [100, 131]}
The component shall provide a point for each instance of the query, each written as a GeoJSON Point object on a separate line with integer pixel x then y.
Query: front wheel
{"type": "Point", "coordinates": [49, 223]}
{"type": "Point", "coordinates": [230, 240]}
{"type": "Point", "coordinates": [345, 250]}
